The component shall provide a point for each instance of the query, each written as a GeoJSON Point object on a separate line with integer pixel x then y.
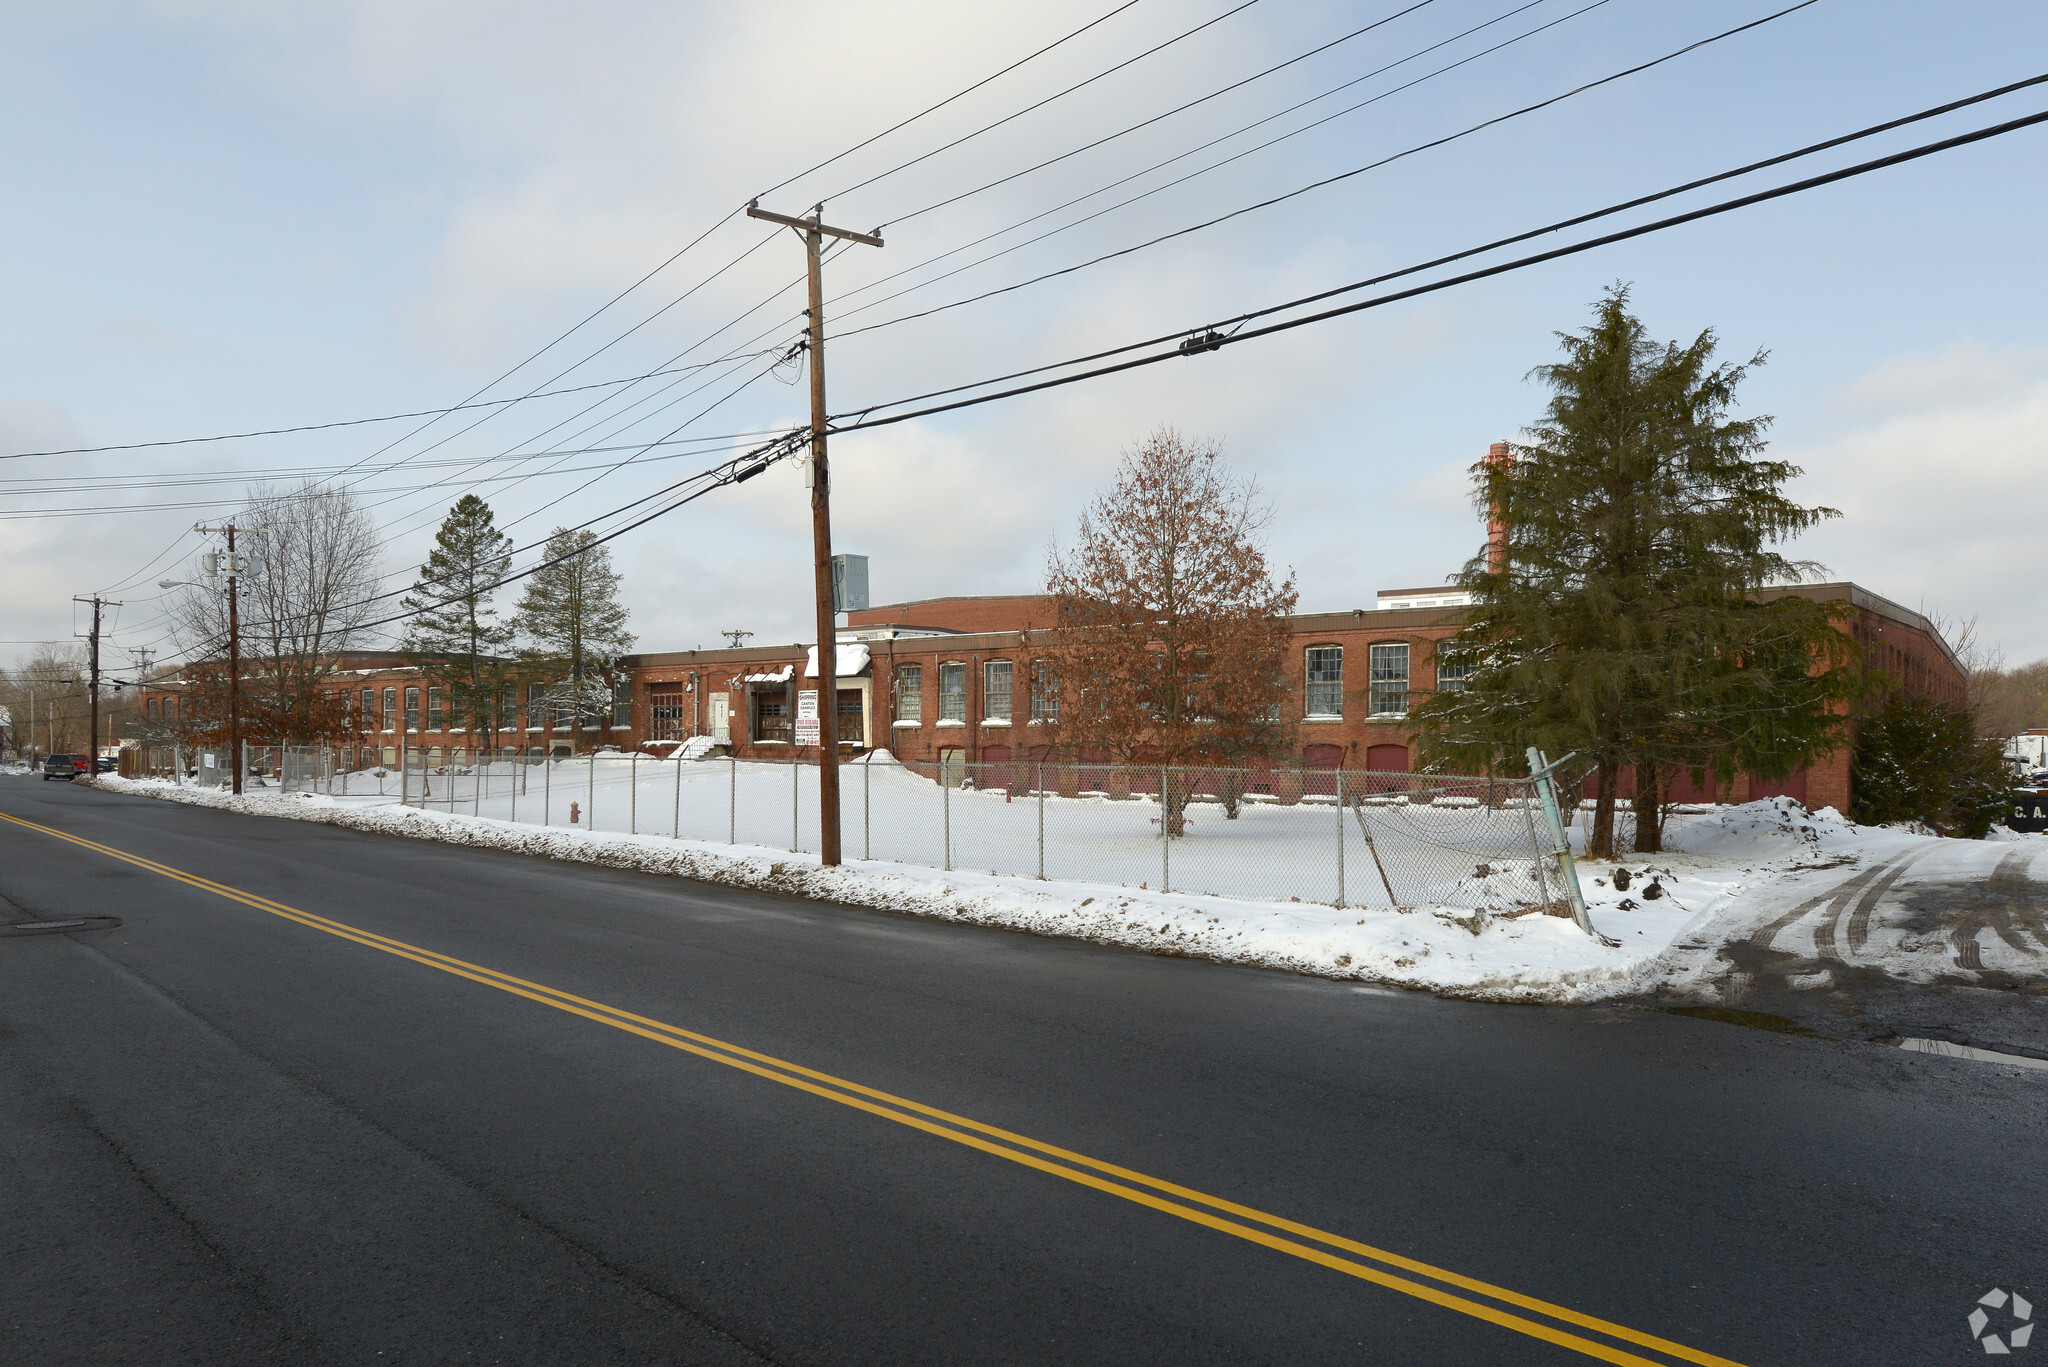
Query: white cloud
{"type": "Point", "coordinates": [1938, 473]}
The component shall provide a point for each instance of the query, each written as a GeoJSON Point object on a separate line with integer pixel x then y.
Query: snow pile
{"type": "Point", "coordinates": [1527, 958]}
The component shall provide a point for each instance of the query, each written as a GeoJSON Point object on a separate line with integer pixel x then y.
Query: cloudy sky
{"type": "Point", "coordinates": [225, 215]}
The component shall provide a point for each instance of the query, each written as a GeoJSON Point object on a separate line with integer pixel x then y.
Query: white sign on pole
{"type": "Point", "coordinates": [807, 716]}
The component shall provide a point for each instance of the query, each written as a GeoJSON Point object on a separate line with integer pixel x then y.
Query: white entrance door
{"type": "Point", "coordinates": [721, 718]}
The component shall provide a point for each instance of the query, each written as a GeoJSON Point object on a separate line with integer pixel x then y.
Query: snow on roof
{"type": "Point", "coordinates": [849, 658]}
{"type": "Point", "coordinates": [779, 676]}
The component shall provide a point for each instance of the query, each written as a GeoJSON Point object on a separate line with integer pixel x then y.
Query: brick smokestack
{"type": "Point", "coordinates": [1496, 526]}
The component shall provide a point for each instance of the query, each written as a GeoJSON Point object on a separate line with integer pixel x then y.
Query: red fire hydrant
{"type": "Point", "coordinates": [575, 812]}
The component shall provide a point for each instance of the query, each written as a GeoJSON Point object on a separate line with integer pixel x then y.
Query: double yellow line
{"type": "Point", "coordinates": [1333, 1251]}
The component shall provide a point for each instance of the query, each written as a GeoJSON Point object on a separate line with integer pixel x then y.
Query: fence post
{"type": "Point", "coordinates": [1535, 851]}
{"type": "Point", "coordinates": [590, 795]}
{"type": "Point", "coordinates": [518, 781]}
{"type": "Point", "coordinates": [946, 815]}
{"type": "Point", "coordinates": [1540, 770]}
{"type": "Point", "coordinates": [1340, 835]}
{"type": "Point", "coordinates": [1041, 823]}
{"type": "Point", "coordinates": [633, 803]}
{"type": "Point", "coordinates": [732, 801]}
{"type": "Point", "coordinates": [547, 790]}
{"type": "Point", "coordinates": [866, 808]}
{"type": "Point", "coordinates": [795, 802]}
{"type": "Point", "coordinates": [675, 826]}
{"type": "Point", "coordinates": [1165, 832]}
{"type": "Point", "coordinates": [404, 772]}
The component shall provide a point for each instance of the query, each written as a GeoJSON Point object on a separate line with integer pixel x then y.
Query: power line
{"type": "Point", "coordinates": [1636, 203]}
{"type": "Point", "coordinates": [740, 468]}
{"type": "Point", "coordinates": [958, 94]}
{"type": "Point", "coordinates": [901, 219]}
{"type": "Point", "coordinates": [1212, 166]}
{"type": "Point", "coordinates": [1331, 180]}
{"type": "Point", "coordinates": [354, 422]}
{"type": "Point", "coordinates": [1057, 95]}
{"type": "Point", "coordinates": [1216, 341]}
{"type": "Point", "coordinates": [1199, 147]}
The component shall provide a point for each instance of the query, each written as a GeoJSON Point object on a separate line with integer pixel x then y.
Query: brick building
{"type": "Point", "coordinates": [952, 680]}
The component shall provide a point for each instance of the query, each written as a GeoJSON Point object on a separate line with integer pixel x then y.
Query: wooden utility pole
{"type": "Point", "coordinates": [92, 744]}
{"type": "Point", "coordinates": [814, 232]}
{"type": "Point", "coordinates": [234, 661]}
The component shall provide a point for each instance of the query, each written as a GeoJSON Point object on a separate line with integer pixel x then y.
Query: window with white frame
{"type": "Point", "coordinates": [1452, 673]}
{"type": "Point", "coordinates": [995, 690]}
{"type": "Point", "coordinates": [910, 693]}
{"type": "Point", "coordinates": [953, 691]}
{"type": "Point", "coordinates": [1324, 695]}
{"type": "Point", "coordinates": [390, 709]}
{"type": "Point", "coordinates": [1045, 694]}
{"type": "Point", "coordinates": [622, 703]}
{"type": "Point", "coordinates": [1390, 680]}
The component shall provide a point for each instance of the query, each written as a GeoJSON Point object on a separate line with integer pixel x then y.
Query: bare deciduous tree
{"type": "Point", "coordinates": [46, 698]}
{"type": "Point", "coordinates": [1172, 634]}
{"type": "Point", "coordinates": [304, 600]}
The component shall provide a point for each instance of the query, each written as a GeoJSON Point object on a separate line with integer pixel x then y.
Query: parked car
{"type": "Point", "coordinates": [109, 764]}
{"type": "Point", "coordinates": [66, 766]}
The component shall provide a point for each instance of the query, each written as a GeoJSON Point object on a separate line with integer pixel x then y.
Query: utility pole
{"type": "Point", "coordinates": [92, 744]}
{"type": "Point", "coordinates": [814, 233]}
{"type": "Point", "coordinates": [234, 660]}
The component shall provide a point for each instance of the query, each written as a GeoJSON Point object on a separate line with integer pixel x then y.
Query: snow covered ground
{"type": "Point", "coordinates": [1827, 899]}
{"type": "Point", "coordinates": [1456, 851]}
{"type": "Point", "coordinates": [1812, 888]}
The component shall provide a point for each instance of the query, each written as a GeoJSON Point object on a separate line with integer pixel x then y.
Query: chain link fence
{"type": "Point", "coordinates": [1338, 837]}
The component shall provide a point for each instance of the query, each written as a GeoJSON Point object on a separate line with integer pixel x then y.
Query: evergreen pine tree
{"type": "Point", "coordinates": [457, 639]}
{"type": "Point", "coordinates": [1626, 624]}
{"type": "Point", "coordinates": [574, 622]}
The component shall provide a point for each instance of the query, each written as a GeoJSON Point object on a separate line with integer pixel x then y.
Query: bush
{"type": "Point", "coordinates": [1917, 759]}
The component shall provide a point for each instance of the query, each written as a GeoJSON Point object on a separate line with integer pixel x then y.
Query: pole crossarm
{"type": "Point", "coordinates": [812, 225]}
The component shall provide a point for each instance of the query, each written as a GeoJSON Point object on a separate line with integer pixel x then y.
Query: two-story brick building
{"type": "Point", "coordinates": [958, 679]}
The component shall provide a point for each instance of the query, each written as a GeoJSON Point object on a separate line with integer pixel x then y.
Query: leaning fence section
{"type": "Point", "coordinates": [1337, 837]}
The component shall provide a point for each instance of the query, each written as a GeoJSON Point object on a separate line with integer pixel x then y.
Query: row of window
{"type": "Point", "coordinates": [1323, 697]}
{"type": "Point", "coordinates": [997, 697]}
{"type": "Point", "coordinates": [1386, 680]}
{"type": "Point", "coordinates": [445, 712]}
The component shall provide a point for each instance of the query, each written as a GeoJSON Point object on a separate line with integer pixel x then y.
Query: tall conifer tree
{"type": "Point", "coordinates": [458, 640]}
{"type": "Point", "coordinates": [1627, 624]}
{"type": "Point", "coordinates": [574, 623]}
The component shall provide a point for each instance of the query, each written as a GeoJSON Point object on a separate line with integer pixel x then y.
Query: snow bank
{"type": "Point", "coordinates": [1528, 958]}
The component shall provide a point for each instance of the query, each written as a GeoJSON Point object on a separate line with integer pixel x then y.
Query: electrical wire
{"type": "Point", "coordinates": [1212, 166]}
{"type": "Point", "coordinates": [1031, 108]}
{"type": "Point", "coordinates": [1214, 342]}
{"type": "Point", "coordinates": [1182, 156]}
{"type": "Point", "coordinates": [740, 468]}
{"type": "Point", "coordinates": [958, 94]}
{"type": "Point", "coordinates": [901, 219]}
{"type": "Point", "coordinates": [1638, 202]}
{"type": "Point", "coordinates": [1328, 180]}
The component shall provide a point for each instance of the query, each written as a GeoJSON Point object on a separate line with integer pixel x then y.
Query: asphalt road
{"type": "Point", "coordinates": [229, 1135]}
